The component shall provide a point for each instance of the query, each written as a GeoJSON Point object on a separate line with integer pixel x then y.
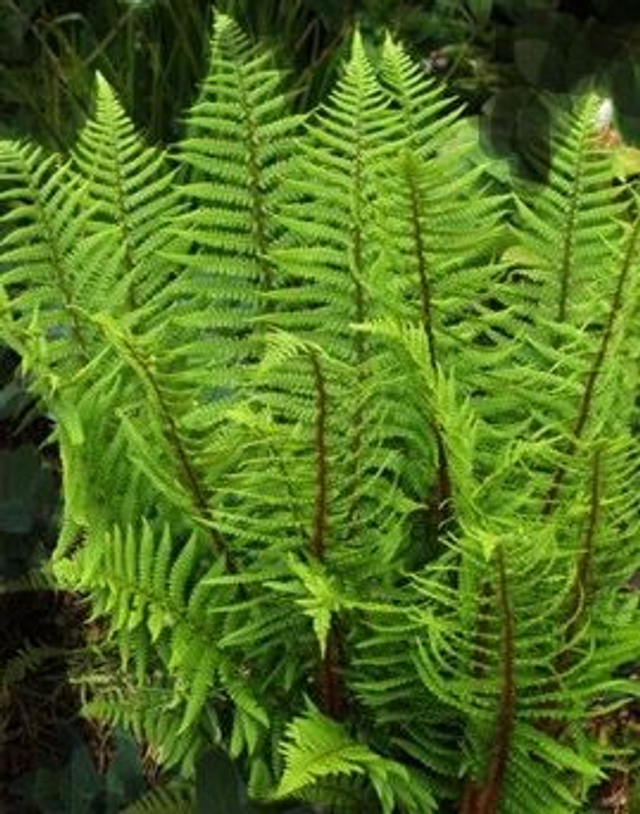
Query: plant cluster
{"type": "Point", "coordinates": [348, 437]}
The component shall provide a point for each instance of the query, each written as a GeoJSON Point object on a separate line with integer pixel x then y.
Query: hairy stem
{"type": "Point", "coordinates": [485, 798]}
{"type": "Point", "coordinates": [583, 579]}
{"type": "Point", "coordinates": [440, 502]}
{"type": "Point", "coordinates": [330, 686]}
{"type": "Point", "coordinates": [588, 393]}
{"type": "Point", "coordinates": [188, 475]}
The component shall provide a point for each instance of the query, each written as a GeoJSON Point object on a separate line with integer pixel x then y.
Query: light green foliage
{"type": "Point", "coordinates": [318, 747]}
{"type": "Point", "coordinates": [349, 439]}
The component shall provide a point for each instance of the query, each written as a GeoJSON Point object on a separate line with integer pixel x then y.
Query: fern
{"type": "Point", "coordinates": [131, 189]}
{"type": "Point", "coordinates": [318, 748]}
{"type": "Point", "coordinates": [239, 140]}
{"type": "Point", "coordinates": [49, 217]}
{"type": "Point", "coordinates": [348, 437]}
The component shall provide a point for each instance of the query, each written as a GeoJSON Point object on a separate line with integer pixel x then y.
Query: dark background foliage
{"type": "Point", "coordinates": [154, 51]}
{"type": "Point", "coordinates": [497, 55]}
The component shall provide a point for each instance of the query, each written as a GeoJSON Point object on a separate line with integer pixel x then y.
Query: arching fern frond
{"type": "Point", "coordinates": [162, 446]}
{"type": "Point", "coordinates": [134, 199]}
{"type": "Point", "coordinates": [436, 270]}
{"type": "Point", "coordinates": [565, 266]}
{"type": "Point", "coordinates": [319, 748]}
{"type": "Point", "coordinates": [428, 115]}
{"type": "Point", "coordinates": [50, 210]}
{"type": "Point", "coordinates": [239, 138]}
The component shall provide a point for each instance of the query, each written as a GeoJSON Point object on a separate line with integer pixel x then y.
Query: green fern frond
{"type": "Point", "coordinates": [134, 200]}
{"type": "Point", "coordinates": [239, 139]}
{"type": "Point", "coordinates": [317, 748]}
{"type": "Point", "coordinates": [564, 263]}
{"type": "Point", "coordinates": [326, 257]}
{"type": "Point", "coordinates": [429, 117]}
{"type": "Point", "coordinates": [168, 398]}
{"type": "Point", "coordinates": [50, 210]}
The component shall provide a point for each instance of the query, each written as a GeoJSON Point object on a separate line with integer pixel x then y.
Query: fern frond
{"type": "Point", "coordinates": [168, 397]}
{"type": "Point", "coordinates": [49, 208]}
{"type": "Point", "coordinates": [325, 260]}
{"type": "Point", "coordinates": [239, 139]}
{"type": "Point", "coordinates": [565, 259]}
{"type": "Point", "coordinates": [317, 748]}
{"type": "Point", "coordinates": [428, 115]}
{"type": "Point", "coordinates": [134, 199]}
{"type": "Point", "coordinates": [326, 204]}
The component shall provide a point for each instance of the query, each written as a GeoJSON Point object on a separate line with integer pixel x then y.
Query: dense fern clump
{"type": "Point", "coordinates": [349, 436]}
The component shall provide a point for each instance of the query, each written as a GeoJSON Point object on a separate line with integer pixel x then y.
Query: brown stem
{"type": "Point", "coordinates": [440, 512]}
{"type": "Point", "coordinates": [586, 402]}
{"type": "Point", "coordinates": [584, 573]}
{"type": "Point", "coordinates": [330, 686]}
{"type": "Point", "coordinates": [580, 591]}
{"type": "Point", "coordinates": [485, 798]}
{"type": "Point", "coordinates": [190, 478]}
